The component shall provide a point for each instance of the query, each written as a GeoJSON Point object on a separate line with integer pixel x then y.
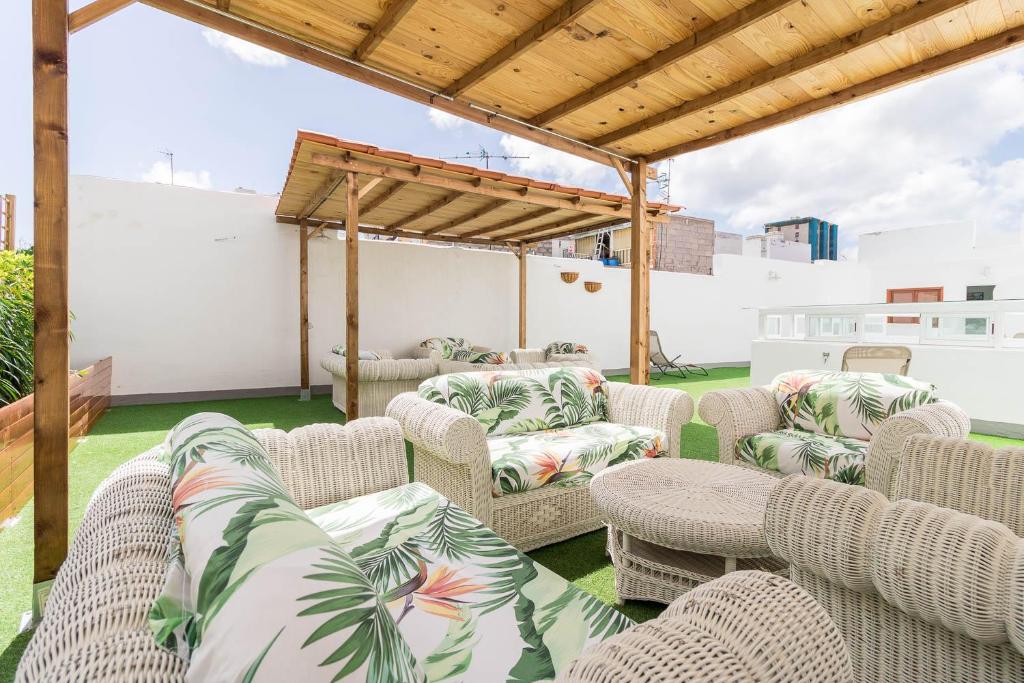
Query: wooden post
{"type": "Point", "coordinates": [640, 280]}
{"type": "Point", "coordinates": [50, 437]}
{"type": "Point", "coordinates": [303, 310]}
{"type": "Point", "coordinates": [352, 298]}
{"type": "Point", "coordinates": [7, 237]}
{"type": "Point", "coordinates": [522, 294]}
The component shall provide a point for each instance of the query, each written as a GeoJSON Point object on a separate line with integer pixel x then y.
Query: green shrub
{"type": "Point", "coordinates": [16, 326]}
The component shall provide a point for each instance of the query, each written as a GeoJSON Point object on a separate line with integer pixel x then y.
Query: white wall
{"type": "Point", "coordinates": [193, 290]}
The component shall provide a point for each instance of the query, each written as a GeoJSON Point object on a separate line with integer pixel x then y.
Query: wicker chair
{"type": "Point", "coordinates": [450, 454]}
{"type": "Point", "coordinates": [921, 593]}
{"type": "Point", "coordinates": [892, 359]}
{"type": "Point", "coordinates": [379, 380]}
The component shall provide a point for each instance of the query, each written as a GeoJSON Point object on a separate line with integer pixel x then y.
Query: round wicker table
{"type": "Point", "coordinates": [674, 524]}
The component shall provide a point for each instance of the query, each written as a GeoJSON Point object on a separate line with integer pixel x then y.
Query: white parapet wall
{"type": "Point", "coordinates": [197, 291]}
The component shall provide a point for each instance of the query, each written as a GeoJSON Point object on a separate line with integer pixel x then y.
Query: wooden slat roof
{"type": "Point", "coordinates": [633, 78]}
{"type": "Point", "coordinates": [419, 197]}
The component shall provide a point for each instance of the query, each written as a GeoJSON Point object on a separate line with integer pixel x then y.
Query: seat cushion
{"type": "Point", "coordinates": [471, 607]}
{"type": "Point", "coordinates": [567, 457]}
{"type": "Point", "coordinates": [794, 451]}
{"type": "Point", "coordinates": [564, 348]}
{"type": "Point", "coordinates": [520, 401]}
{"type": "Point", "coordinates": [845, 404]}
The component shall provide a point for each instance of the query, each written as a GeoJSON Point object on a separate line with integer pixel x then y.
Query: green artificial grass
{"type": "Point", "coordinates": [124, 432]}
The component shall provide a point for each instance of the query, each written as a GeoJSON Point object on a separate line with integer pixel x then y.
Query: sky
{"type": "Point", "coordinates": [947, 149]}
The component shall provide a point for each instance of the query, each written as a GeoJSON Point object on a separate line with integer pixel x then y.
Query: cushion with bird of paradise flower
{"type": "Point", "coordinates": [563, 348]}
{"type": "Point", "coordinates": [471, 607]}
{"type": "Point", "coordinates": [522, 401]}
{"type": "Point", "coordinates": [846, 404]}
{"type": "Point", "coordinates": [794, 451]}
{"type": "Point", "coordinates": [255, 590]}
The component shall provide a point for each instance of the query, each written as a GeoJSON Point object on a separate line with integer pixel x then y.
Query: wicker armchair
{"type": "Point", "coordinates": [450, 454]}
{"type": "Point", "coordinates": [921, 593]}
{"type": "Point", "coordinates": [379, 380]}
{"type": "Point", "coordinates": [738, 413]}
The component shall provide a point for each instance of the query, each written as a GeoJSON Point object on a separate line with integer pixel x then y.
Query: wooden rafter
{"type": "Point", "coordinates": [874, 86]}
{"type": "Point", "coordinates": [323, 193]}
{"type": "Point", "coordinates": [473, 215]}
{"type": "Point", "coordinates": [340, 64]}
{"type": "Point", "coordinates": [407, 234]}
{"type": "Point", "coordinates": [510, 222]}
{"type": "Point", "coordinates": [914, 16]}
{"type": "Point", "coordinates": [700, 40]}
{"type": "Point", "coordinates": [430, 208]}
{"type": "Point", "coordinates": [93, 12]}
{"type": "Point", "coordinates": [369, 185]}
{"type": "Point", "coordinates": [547, 227]}
{"type": "Point", "coordinates": [224, 5]}
{"type": "Point", "coordinates": [543, 29]}
{"type": "Point", "coordinates": [623, 176]}
{"type": "Point", "coordinates": [393, 14]}
{"type": "Point", "coordinates": [382, 197]}
{"type": "Point", "coordinates": [565, 232]}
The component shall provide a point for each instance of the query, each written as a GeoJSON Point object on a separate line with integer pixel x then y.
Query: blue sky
{"type": "Point", "coordinates": [951, 148]}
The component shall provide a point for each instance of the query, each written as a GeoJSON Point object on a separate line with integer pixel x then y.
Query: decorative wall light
{"type": "Point", "coordinates": [592, 286]}
{"type": "Point", "coordinates": [569, 277]}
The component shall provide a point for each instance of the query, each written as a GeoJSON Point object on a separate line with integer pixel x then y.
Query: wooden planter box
{"type": "Point", "coordinates": [89, 394]}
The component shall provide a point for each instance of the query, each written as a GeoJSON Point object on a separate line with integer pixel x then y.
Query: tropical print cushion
{"type": "Point", "coordinates": [446, 345]}
{"type": "Point", "coordinates": [481, 357]}
{"type": "Point", "coordinates": [564, 348]}
{"type": "Point", "coordinates": [363, 355]}
{"type": "Point", "coordinates": [567, 457]}
{"type": "Point", "coordinates": [794, 451]}
{"type": "Point", "coordinates": [471, 607]}
{"type": "Point", "coordinates": [848, 404]}
{"type": "Point", "coordinates": [255, 590]}
{"type": "Point", "coordinates": [521, 401]}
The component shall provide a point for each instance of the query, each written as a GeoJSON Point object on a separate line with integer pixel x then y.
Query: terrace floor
{"type": "Point", "coordinates": [127, 431]}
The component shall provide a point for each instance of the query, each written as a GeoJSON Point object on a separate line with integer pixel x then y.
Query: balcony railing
{"type": "Point", "coordinates": [994, 324]}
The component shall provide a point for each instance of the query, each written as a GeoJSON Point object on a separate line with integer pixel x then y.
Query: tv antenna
{"type": "Point", "coordinates": [485, 156]}
{"type": "Point", "coordinates": [664, 181]}
{"type": "Point", "coordinates": [170, 157]}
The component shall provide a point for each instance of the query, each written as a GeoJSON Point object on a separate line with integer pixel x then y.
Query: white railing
{"type": "Point", "coordinates": [994, 324]}
{"type": "Point", "coordinates": [624, 256]}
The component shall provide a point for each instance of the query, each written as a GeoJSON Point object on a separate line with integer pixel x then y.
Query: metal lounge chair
{"type": "Point", "coordinates": [665, 365]}
{"type": "Point", "coordinates": [889, 359]}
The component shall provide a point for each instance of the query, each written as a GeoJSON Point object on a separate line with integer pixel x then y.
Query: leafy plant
{"type": "Point", "coordinates": [16, 326]}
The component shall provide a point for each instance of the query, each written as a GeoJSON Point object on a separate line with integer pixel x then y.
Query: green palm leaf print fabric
{"type": "Point", "coordinates": [255, 590]}
{"type": "Point", "coordinates": [470, 606]}
{"type": "Point", "coordinates": [845, 404]}
{"type": "Point", "coordinates": [562, 348]}
{"type": "Point", "coordinates": [793, 451]}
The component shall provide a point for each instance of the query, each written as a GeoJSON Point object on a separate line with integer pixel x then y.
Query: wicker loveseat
{"type": "Point", "coordinates": [379, 380]}
{"type": "Point", "coordinates": [455, 354]}
{"type": "Point", "coordinates": [517, 449]}
{"type": "Point", "coordinates": [308, 556]}
{"type": "Point", "coordinates": [850, 427]}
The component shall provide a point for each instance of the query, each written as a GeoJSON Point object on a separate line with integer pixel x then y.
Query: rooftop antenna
{"type": "Point", "coordinates": [170, 157]}
{"type": "Point", "coordinates": [485, 156]}
{"type": "Point", "coordinates": [664, 181]}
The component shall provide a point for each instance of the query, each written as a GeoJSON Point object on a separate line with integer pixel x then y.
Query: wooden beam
{"type": "Point", "coordinates": [323, 193]}
{"type": "Point", "coordinates": [573, 231]}
{"type": "Point", "coordinates": [369, 185]}
{"type": "Point", "coordinates": [529, 233]}
{"type": "Point", "coordinates": [352, 298]}
{"type": "Point", "coordinates": [50, 140]}
{"type": "Point", "coordinates": [875, 33]}
{"type": "Point", "coordinates": [93, 12]}
{"type": "Point", "coordinates": [393, 14]}
{"type": "Point", "coordinates": [9, 219]}
{"type": "Point", "coordinates": [303, 310]}
{"type": "Point", "coordinates": [623, 176]}
{"type": "Point", "coordinates": [224, 5]}
{"type": "Point", "coordinates": [436, 205]}
{"type": "Point", "coordinates": [467, 186]}
{"type": "Point", "coordinates": [928, 67]}
{"type": "Point", "coordinates": [640, 281]}
{"type": "Point", "coordinates": [713, 34]}
{"type": "Point", "coordinates": [411, 235]}
{"type": "Point", "coordinates": [510, 222]}
{"type": "Point", "coordinates": [543, 29]}
{"type": "Point", "coordinates": [473, 215]}
{"type": "Point", "coordinates": [522, 295]}
{"type": "Point", "coordinates": [345, 66]}
{"type": "Point", "coordinates": [382, 197]}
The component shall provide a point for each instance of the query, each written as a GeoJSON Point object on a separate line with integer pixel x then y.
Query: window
{"type": "Point", "coordinates": [980, 292]}
{"type": "Point", "coordinates": [911, 295]}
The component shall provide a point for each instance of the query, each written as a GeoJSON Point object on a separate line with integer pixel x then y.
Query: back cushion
{"type": "Point", "coordinates": [850, 404]}
{"type": "Point", "coordinates": [516, 402]}
{"type": "Point", "coordinates": [560, 348]}
{"type": "Point", "coordinates": [446, 346]}
{"type": "Point", "coordinates": [255, 590]}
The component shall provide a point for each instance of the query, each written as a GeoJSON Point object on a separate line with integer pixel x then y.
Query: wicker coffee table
{"type": "Point", "coordinates": [675, 524]}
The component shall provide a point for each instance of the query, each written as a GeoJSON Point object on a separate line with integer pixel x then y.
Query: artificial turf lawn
{"type": "Point", "coordinates": [126, 431]}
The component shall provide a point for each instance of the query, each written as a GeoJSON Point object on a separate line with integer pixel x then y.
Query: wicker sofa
{"type": "Point", "coordinates": [455, 354]}
{"type": "Point", "coordinates": [461, 451]}
{"type": "Point", "coordinates": [242, 496]}
{"type": "Point", "coordinates": [379, 380]}
{"type": "Point", "coordinates": [806, 416]}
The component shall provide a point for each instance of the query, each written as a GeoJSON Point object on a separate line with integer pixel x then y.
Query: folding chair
{"type": "Point", "coordinates": [885, 359]}
{"type": "Point", "coordinates": [665, 365]}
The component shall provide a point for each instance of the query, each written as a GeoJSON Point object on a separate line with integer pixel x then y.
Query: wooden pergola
{"type": "Point", "coordinates": [620, 83]}
{"type": "Point", "coordinates": [344, 185]}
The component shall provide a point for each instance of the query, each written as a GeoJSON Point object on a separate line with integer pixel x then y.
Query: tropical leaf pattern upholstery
{"type": "Point", "coordinates": [470, 606]}
{"type": "Point", "coordinates": [255, 590]}
{"type": "Point", "coordinates": [567, 457]}
{"type": "Point", "coordinates": [564, 348]}
{"type": "Point", "coordinates": [457, 348]}
{"type": "Point", "coordinates": [794, 451]}
{"type": "Point", "coordinates": [845, 404]}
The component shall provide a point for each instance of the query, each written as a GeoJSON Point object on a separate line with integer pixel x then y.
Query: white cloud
{"type": "Point", "coordinates": [914, 156]}
{"type": "Point", "coordinates": [544, 163]}
{"type": "Point", "coordinates": [160, 172]}
{"type": "Point", "coordinates": [442, 120]}
{"type": "Point", "coordinates": [243, 50]}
